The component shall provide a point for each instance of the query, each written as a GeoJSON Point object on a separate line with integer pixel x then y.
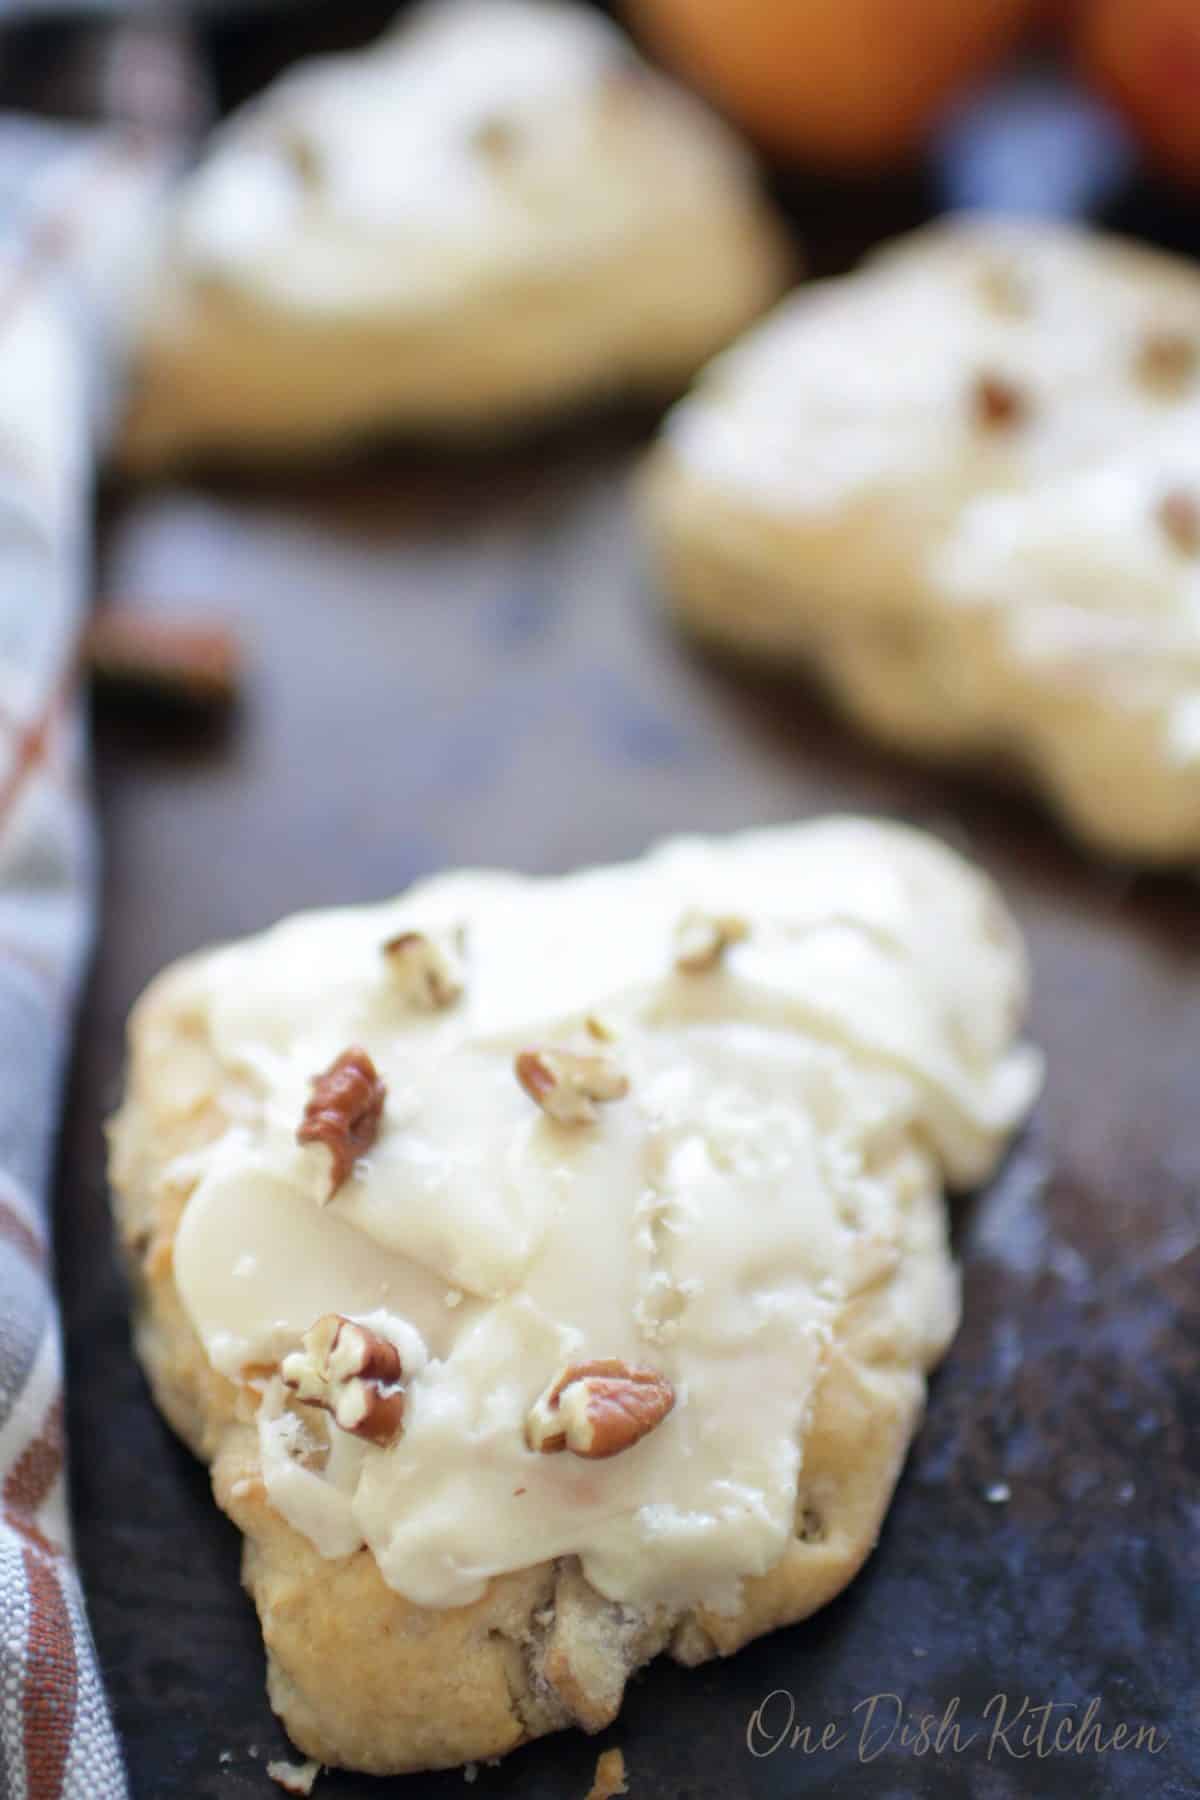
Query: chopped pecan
{"type": "Point", "coordinates": [568, 1084]}
{"type": "Point", "coordinates": [810, 1526]}
{"type": "Point", "coordinates": [1179, 517]}
{"type": "Point", "coordinates": [427, 968]}
{"type": "Point", "coordinates": [598, 1409]}
{"type": "Point", "coordinates": [344, 1112]}
{"type": "Point", "coordinates": [998, 404]}
{"type": "Point", "coordinates": [1167, 362]}
{"type": "Point", "coordinates": [353, 1374]}
{"type": "Point", "coordinates": [302, 155]}
{"type": "Point", "coordinates": [168, 662]}
{"type": "Point", "coordinates": [1004, 289]}
{"type": "Point", "coordinates": [701, 940]}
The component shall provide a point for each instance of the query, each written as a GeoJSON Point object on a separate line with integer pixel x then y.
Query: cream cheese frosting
{"type": "Point", "coordinates": [710, 1224]}
{"type": "Point", "coordinates": [496, 204]}
{"type": "Point", "coordinates": [834, 489]}
{"type": "Point", "coordinates": [860, 387]}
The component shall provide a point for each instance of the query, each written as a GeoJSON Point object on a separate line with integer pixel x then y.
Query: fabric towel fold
{"type": "Point", "coordinates": [69, 210]}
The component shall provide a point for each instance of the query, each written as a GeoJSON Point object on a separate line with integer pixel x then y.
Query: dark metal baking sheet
{"type": "Point", "coordinates": [461, 660]}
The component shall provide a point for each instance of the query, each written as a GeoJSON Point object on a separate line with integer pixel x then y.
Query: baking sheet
{"type": "Point", "coordinates": [464, 663]}
{"type": "Point", "coordinates": [461, 660]}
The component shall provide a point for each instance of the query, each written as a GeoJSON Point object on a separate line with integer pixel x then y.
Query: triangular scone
{"type": "Point", "coordinates": [495, 212]}
{"type": "Point", "coordinates": [964, 486]}
{"type": "Point", "coordinates": [624, 1312]}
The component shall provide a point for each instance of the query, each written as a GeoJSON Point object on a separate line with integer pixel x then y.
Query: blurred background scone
{"type": "Point", "coordinates": [496, 212]}
{"type": "Point", "coordinates": [963, 486]}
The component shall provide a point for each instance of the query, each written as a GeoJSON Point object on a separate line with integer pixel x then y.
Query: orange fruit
{"type": "Point", "coordinates": [1145, 55]}
{"type": "Point", "coordinates": [843, 82]}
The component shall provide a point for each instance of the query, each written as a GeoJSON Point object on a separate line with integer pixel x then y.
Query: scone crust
{"type": "Point", "coordinates": [358, 1674]}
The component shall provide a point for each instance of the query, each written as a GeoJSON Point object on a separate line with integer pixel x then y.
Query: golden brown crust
{"type": "Point", "coordinates": [360, 1675]}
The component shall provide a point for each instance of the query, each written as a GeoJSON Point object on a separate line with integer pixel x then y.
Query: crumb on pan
{"type": "Point", "coordinates": [294, 1778]}
{"type": "Point", "coordinates": [184, 662]}
{"type": "Point", "coordinates": [610, 1776]}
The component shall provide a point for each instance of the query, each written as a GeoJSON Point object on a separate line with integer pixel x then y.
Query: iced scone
{"type": "Point", "coordinates": [963, 487]}
{"type": "Point", "coordinates": [496, 212]}
{"type": "Point", "coordinates": [550, 1269]}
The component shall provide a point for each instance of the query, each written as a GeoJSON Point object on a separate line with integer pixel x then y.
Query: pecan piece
{"type": "Point", "coordinates": [701, 940]}
{"type": "Point", "coordinates": [1167, 362]}
{"type": "Point", "coordinates": [344, 1112]}
{"type": "Point", "coordinates": [598, 1409]}
{"type": "Point", "coordinates": [352, 1373]}
{"type": "Point", "coordinates": [497, 138]}
{"type": "Point", "coordinates": [163, 661]}
{"type": "Point", "coordinates": [1179, 517]}
{"type": "Point", "coordinates": [569, 1084]}
{"type": "Point", "coordinates": [998, 404]}
{"type": "Point", "coordinates": [1005, 290]}
{"type": "Point", "coordinates": [428, 969]}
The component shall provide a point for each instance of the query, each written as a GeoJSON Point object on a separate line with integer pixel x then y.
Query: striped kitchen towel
{"type": "Point", "coordinates": [68, 204]}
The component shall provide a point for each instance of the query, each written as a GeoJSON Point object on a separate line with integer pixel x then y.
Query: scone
{"type": "Point", "coordinates": [963, 486]}
{"type": "Point", "coordinates": [496, 212]}
{"type": "Point", "coordinates": [550, 1269]}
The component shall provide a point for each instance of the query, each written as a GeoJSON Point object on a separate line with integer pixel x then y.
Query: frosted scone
{"type": "Point", "coordinates": [550, 1269]}
{"type": "Point", "coordinates": [496, 212]}
{"type": "Point", "coordinates": [963, 486]}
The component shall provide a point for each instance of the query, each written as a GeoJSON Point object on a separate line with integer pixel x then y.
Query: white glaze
{"type": "Point", "coordinates": [829, 477]}
{"type": "Point", "coordinates": [709, 1225]}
